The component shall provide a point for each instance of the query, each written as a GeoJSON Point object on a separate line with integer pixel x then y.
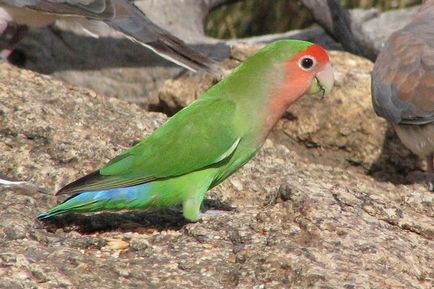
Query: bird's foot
{"type": "Point", "coordinates": [8, 53]}
{"type": "Point", "coordinates": [14, 57]}
{"type": "Point", "coordinates": [430, 173]}
{"type": "Point", "coordinates": [430, 183]}
{"type": "Point", "coordinates": [4, 55]}
{"type": "Point", "coordinates": [211, 204]}
{"type": "Point", "coordinates": [212, 213]}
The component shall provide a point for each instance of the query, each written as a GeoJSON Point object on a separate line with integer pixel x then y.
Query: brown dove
{"type": "Point", "coordinates": [403, 85]}
{"type": "Point", "coordinates": [121, 15]}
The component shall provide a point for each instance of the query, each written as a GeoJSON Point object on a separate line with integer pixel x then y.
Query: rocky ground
{"type": "Point", "coordinates": [331, 201]}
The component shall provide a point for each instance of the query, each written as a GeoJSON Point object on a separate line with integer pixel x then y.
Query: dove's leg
{"type": "Point", "coordinates": [430, 172]}
{"type": "Point", "coordinates": [3, 29]}
{"type": "Point", "coordinates": [3, 26]}
{"type": "Point", "coordinates": [20, 32]}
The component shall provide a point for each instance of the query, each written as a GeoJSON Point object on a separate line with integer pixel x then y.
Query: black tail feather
{"type": "Point", "coordinates": [80, 182]}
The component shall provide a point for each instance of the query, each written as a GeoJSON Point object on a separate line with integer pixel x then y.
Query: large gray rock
{"type": "Point", "coordinates": [297, 223]}
{"type": "Point", "coordinates": [380, 27]}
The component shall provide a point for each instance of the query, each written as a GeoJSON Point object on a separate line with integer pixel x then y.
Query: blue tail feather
{"type": "Point", "coordinates": [110, 199]}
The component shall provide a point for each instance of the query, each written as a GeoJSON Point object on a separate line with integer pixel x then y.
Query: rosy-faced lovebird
{"type": "Point", "coordinates": [403, 84]}
{"type": "Point", "coordinates": [208, 140]}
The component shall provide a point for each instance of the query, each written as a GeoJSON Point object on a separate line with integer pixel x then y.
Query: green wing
{"type": "Point", "coordinates": [198, 136]}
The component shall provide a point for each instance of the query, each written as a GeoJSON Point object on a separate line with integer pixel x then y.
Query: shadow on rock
{"type": "Point", "coordinates": [396, 164]}
{"type": "Point", "coordinates": [132, 221]}
{"type": "Point", "coordinates": [135, 221]}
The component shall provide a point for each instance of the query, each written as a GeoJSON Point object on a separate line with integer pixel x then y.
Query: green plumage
{"type": "Point", "coordinates": [194, 150]}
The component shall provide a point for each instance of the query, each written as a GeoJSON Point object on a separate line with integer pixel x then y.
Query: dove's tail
{"type": "Point", "coordinates": [7, 182]}
{"type": "Point", "coordinates": [138, 27]}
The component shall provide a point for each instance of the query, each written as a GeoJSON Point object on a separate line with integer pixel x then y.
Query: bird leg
{"type": "Point", "coordinates": [20, 32]}
{"type": "Point", "coordinates": [3, 31]}
{"type": "Point", "coordinates": [430, 172]}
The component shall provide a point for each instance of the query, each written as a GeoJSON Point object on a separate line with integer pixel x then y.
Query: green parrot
{"type": "Point", "coordinates": [208, 140]}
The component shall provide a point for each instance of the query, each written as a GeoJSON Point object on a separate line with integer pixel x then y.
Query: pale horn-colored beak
{"type": "Point", "coordinates": [323, 81]}
{"type": "Point", "coordinates": [326, 79]}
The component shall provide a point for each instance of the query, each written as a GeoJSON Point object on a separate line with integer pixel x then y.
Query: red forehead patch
{"type": "Point", "coordinates": [316, 51]}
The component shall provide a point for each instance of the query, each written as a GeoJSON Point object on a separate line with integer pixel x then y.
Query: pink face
{"type": "Point", "coordinates": [308, 72]}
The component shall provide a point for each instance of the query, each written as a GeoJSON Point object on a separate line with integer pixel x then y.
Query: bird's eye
{"type": "Point", "coordinates": [307, 63]}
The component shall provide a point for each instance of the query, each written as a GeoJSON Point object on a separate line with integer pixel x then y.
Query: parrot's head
{"type": "Point", "coordinates": [315, 66]}
{"type": "Point", "coordinates": [282, 72]}
{"type": "Point", "coordinates": [277, 75]}
{"type": "Point", "coordinates": [306, 69]}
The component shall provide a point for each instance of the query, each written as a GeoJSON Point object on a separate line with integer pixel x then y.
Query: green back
{"type": "Point", "coordinates": [196, 137]}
